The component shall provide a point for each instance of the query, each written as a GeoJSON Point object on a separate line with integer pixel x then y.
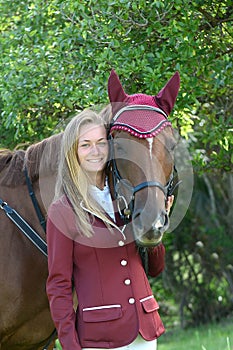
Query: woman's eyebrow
{"type": "Point", "coordinates": [102, 138]}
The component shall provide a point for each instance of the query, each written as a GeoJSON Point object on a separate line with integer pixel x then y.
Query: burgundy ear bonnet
{"type": "Point", "coordinates": [141, 115]}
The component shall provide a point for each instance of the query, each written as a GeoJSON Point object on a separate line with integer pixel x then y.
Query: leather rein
{"type": "Point", "coordinates": [22, 224]}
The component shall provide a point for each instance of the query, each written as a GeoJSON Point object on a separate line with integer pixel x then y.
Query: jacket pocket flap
{"type": "Point", "coordinates": [102, 313]}
{"type": "Point", "coordinates": [149, 304]}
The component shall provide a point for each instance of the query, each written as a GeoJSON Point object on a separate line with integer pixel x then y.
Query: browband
{"type": "Point", "coordinates": [128, 125]}
{"type": "Point", "coordinates": [136, 107]}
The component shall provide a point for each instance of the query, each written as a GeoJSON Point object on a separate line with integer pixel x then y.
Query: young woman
{"type": "Point", "coordinates": [90, 252]}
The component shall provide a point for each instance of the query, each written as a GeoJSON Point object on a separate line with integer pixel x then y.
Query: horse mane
{"type": "Point", "coordinates": [11, 163]}
{"type": "Point", "coordinates": [39, 159]}
{"type": "Point", "coordinates": [42, 158]}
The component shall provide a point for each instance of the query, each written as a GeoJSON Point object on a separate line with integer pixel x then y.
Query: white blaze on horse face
{"type": "Point", "coordinates": [150, 141]}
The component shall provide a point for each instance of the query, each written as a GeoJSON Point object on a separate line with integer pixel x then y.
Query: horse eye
{"type": "Point", "coordinates": [173, 146]}
{"type": "Point", "coordinates": [119, 148]}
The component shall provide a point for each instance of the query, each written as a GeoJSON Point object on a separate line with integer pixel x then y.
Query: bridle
{"type": "Point", "coordinates": [118, 181]}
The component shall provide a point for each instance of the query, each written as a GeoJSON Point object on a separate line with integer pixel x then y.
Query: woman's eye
{"type": "Point", "coordinates": [84, 145]}
{"type": "Point", "coordinates": [102, 144]}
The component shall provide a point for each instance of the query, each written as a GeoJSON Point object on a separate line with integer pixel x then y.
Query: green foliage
{"type": "Point", "coordinates": [56, 57]}
{"type": "Point", "coordinates": [214, 336]}
{"type": "Point", "coordinates": [199, 269]}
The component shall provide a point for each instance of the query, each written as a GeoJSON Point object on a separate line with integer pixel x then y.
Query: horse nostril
{"type": "Point", "coordinates": [136, 214]}
{"type": "Point", "coordinates": [150, 235]}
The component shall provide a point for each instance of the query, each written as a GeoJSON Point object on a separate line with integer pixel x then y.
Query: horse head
{"type": "Point", "coordinates": [142, 161]}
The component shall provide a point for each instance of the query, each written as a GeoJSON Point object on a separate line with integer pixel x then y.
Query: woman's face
{"type": "Point", "coordinates": [92, 148]}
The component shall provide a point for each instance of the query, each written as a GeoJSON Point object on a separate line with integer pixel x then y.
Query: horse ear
{"type": "Point", "coordinates": [166, 98]}
{"type": "Point", "coordinates": [115, 90]}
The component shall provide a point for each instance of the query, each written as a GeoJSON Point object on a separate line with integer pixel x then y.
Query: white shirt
{"type": "Point", "coordinates": [103, 197]}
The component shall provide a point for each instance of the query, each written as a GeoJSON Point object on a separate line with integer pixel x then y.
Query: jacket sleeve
{"type": "Point", "coordinates": [156, 260]}
{"type": "Point", "coordinates": [59, 286]}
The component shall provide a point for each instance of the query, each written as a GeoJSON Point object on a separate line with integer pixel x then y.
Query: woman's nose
{"type": "Point", "coordinates": [95, 149]}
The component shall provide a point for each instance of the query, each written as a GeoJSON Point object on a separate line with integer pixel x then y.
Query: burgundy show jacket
{"type": "Point", "coordinates": [115, 300]}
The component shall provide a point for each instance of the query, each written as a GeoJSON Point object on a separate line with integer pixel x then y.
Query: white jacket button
{"type": "Point", "coordinates": [131, 300]}
{"type": "Point", "coordinates": [121, 243]}
{"type": "Point", "coordinates": [127, 282]}
{"type": "Point", "coordinates": [123, 262]}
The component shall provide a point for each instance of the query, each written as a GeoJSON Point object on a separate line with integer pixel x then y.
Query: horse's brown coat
{"type": "Point", "coordinates": [25, 321]}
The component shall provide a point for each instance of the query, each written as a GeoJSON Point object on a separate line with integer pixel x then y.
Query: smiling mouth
{"type": "Point", "coordinates": [95, 160]}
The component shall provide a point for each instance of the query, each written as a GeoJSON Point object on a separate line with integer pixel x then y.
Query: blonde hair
{"type": "Point", "coordinates": [71, 179]}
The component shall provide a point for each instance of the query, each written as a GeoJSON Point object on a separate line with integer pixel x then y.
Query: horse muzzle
{"type": "Point", "coordinates": [150, 237]}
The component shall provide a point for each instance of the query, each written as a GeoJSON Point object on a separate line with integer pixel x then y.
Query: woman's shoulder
{"type": "Point", "coordinates": [60, 206]}
{"type": "Point", "coordinates": [61, 215]}
{"type": "Point", "coordinates": [59, 202]}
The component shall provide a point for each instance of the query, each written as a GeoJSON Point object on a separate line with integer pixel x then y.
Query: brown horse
{"type": "Point", "coordinates": [139, 173]}
{"type": "Point", "coordinates": [25, 321]}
